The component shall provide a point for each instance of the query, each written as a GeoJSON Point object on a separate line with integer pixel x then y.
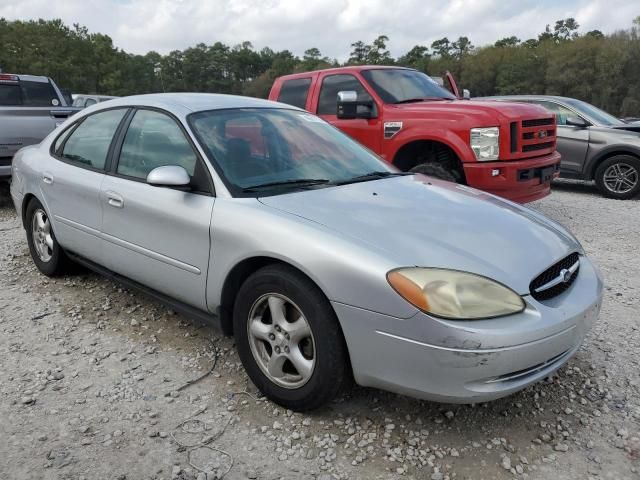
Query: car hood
{"type": "Point", "coordinates": [417, 220]}
{"type": "Point", "coordinates": [479, 110]}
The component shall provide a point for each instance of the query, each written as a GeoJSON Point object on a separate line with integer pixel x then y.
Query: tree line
{"type": "Point", "coordinates": [561, 60]}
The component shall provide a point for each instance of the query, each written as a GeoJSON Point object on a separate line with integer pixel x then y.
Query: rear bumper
{"type": "Point", "coordinates": [5, 170]}
{"type": "Point", "coordinates": [511, 180]}
{"type": "Point", "coordinates": [471, 361]}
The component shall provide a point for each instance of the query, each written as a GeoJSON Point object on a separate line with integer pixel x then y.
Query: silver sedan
{"type": "Point", "coordinates": [323, 261]}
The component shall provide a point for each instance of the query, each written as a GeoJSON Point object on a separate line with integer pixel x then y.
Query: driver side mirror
{"type": "Point", "coordinates": [348, 106]}
{"type": "Point", "coordinates": [169, 176]}
{"type": "Point", "coordinates": [576, 121]}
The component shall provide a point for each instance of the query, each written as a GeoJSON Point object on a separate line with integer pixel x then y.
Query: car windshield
{"type": "Point", "coordinates": [599, 116]}
{"type": "Point", "coordinates": [403, 86]}
{"type": "Point", "coordinates": [272, 151]}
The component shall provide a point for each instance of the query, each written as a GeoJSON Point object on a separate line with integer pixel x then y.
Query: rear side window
{"type": "Point", "coordinates": [10, 95]}
{"type": "Point", "coordinates": [331, 85]}
{"type": "Point", "coordinates": [294, 92]}
{"type": "Point", "coordinates": [154, 140]}
{"type": "Point", "coordinates": [28, 94]}
{"type": "Point", "coordinates": [38, 94]}
{"type": "Point", "coordinates": [88, 145]}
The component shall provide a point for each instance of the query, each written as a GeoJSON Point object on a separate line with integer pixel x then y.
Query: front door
{"type": "Point", "coordinates": [573, 142]}
{"type": "Point", "coordinates": [366, 131]}
{"type": "Point", "coordinates": [158, 236]}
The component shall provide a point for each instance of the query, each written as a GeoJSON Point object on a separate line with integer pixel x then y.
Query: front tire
{"type": "Point", "coordinates": [43, 246]}
{"type": "Point", "coordinates": [435, 170]}
{"type": "Point", "coordinates": [619, 177]}
{"type": "Point", "coordinates": [289, 339]}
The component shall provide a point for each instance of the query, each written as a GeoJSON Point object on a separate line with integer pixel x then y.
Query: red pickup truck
{"type": "Point", "coordinates": [409, 120]}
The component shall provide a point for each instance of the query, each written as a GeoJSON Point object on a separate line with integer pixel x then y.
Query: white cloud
{"type": "Point", "coordinates": [331, 25]}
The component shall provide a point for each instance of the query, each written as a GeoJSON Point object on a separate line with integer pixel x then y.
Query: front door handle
{"type": "Point", "coordinates": [115, 200]}
{"type": "Point", "coordinates": [47, 178]}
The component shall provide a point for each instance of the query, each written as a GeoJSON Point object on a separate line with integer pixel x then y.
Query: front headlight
{"type": "Point", "coordinates": [454, 295]}
{"type": "Point", "coordinates": [485, 143]}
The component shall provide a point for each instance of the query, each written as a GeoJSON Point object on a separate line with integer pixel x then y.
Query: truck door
{"type": "Point", "coordinates": [366, 131]}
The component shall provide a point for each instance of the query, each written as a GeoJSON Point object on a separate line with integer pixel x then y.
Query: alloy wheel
{"type": "Point", "coordinates": [621, 178]}
{"type": "Point", "coordinates": [281, 341]}
{"type": "Point", "coordinates": [42, 238]}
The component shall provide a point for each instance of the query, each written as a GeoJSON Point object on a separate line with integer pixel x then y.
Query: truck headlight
{"type": "Point", "coordinates": [485, 143]}
{"type": "Point", "coordinates": [453, 294]}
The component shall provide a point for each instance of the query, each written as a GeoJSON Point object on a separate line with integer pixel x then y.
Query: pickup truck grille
{"type": "Point", "coordinates": [532, 136]}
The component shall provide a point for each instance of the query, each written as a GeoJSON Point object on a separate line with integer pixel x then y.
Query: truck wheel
{"type": "Point", "coordinates": [619, 177]}
{"type": "Point", "coordinates": [289, 339]}
{"type": "Point", "coordinates": [43, 246]}
{"type": "Point", "coordinates": [435, 170]}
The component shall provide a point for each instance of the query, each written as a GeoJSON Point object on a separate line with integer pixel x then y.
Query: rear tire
{"type": "Point", "coordinates": [289, 339]}
{"type": "Point", "coordinates": [435, 170]}
{"type": "Point", "coordinates": [619, 177]}
{"type": "Point", "coordinates": [45, 251]}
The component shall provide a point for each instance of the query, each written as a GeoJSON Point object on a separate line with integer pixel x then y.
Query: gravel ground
{"type": "Point", "coordinates": [91, 373]}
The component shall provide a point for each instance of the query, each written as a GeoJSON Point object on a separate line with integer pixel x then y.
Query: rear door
{"type": "Point", "coordinates": [71, 182]}
{"type": "Point", "coordinates": [572, 142]}
{"type": "Point", "coordinates": [366, 131]}
{"type": "Point", "coordinates": [158, 236]}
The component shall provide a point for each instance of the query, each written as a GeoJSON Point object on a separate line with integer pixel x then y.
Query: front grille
{"type": "Point", "coordinates": [537, 146]}
{"type": "Point", "coordinates": [537, 122]}
{"type": "Point", "coordinates": [552, 273]}
{"type": "Point", "coordinates": [529, 137]}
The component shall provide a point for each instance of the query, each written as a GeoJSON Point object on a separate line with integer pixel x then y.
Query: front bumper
{"type": "Point", "coordinates": [471, 361]}
{"type": "Point", "coordinates": [510, 182]}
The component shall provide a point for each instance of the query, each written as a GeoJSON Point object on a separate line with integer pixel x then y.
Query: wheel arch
{"type": "Point", "coordinates": [608, 153]}
{"type": "Point", "coordinates": [25, 203]}
{"type": "Point", "coordinates": [408, 155]}
{"type": "Point", "coordinates": [237, 276]}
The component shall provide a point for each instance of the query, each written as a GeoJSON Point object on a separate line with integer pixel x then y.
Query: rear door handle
{"type": "Point", "coordinates": [114, 200]}
{"type": "Point", "coordinates": [47, 178]}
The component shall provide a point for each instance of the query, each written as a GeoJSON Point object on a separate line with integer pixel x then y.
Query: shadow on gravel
{"type": "Point", "coordinates": [5, 197]}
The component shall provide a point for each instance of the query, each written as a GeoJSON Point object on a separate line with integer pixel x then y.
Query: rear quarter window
{"type": "Point", "coordinates": [294, 92]}
{"type": "Point", "coordinates": [38, 94]}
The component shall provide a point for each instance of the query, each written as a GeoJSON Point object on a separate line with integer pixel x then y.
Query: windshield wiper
{"type": "Point", "coordinates": [297, 182]}
{"type": "Point", "coordinates": [372, 176]}
{"type": "Point", "coordinates": [421, 99]}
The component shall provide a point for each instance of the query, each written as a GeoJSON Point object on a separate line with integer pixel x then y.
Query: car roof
{"type": "Point", "coordinates": [347, 69]}
{"type": "Point", "coordinates": [196, 102]}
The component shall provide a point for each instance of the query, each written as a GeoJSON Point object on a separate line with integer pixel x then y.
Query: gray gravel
{"type": "Point", "coordinates": [90, 377]}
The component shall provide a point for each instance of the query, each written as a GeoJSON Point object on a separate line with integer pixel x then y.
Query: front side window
{"type": "Point", "coordinates": [89, 143]}
{"type": "Point", "coordinates": [331, 85]}
{"type": "Point", "coordinates": [270, 151]}
{"type": "Point", "coordinates": [599, 116]}
{"type": "Point", "coordinates": [403, 86]}
{"type": "Point", "coordinates": [562, 113]}
{"type": "Point", "coordinates": [294, 92]}
{"type": "Point", "coordinates": [154, 140]}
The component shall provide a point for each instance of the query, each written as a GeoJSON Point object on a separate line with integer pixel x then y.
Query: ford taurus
{"type": "Point", "coordinates": [325, 262]}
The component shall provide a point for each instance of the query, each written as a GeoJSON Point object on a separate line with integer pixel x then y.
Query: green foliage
{"type": "Point", "coordinates": [598, 68]}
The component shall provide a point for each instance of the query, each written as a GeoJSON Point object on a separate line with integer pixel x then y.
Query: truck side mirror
{"type": "Point", "coordinates": [466, 94]}
{"type": "Point", "coordinates": [348, 106]}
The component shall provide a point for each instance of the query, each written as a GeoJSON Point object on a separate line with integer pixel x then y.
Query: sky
{"type": "Point", "coordinates": [138, 26]}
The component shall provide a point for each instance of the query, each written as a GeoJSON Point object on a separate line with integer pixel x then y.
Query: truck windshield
{"type": "Point", "coordinates": [264, 151]}
{"type": "Point", "coordinates": [403, 86]}
{"type": "Point", "coordinates": [599, 116]}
